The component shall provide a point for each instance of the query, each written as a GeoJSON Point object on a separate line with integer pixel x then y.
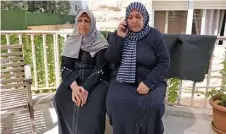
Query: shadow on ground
{"type": "Point", "coordinates": [20, 123]}
{"type": "Point", "coordinates": [176, 121]}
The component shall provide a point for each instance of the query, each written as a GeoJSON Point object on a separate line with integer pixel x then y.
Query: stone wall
{"type": "Point", "coordinates": [110, 13]}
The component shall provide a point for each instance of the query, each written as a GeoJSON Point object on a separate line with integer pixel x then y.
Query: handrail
{"type": "Point", "coordinates": [56, 64]}
{"type": "Point", "coordinates": [35, 32]}
{"type": "Point", "coordinates": [69, 31]}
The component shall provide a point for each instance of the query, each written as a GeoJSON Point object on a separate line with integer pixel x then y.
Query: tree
{"type": "Point", "coordinates": [53, 7]}
{"type": "Point", "coordinates": [14, 5]}
{"type": "Point", "coordinates": [62, 7]}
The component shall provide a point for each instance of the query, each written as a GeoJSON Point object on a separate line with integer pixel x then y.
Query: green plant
{"type": "Point", "coordinates": [39, 55]}
{"type": "Point", "coordinates": [173, 90]}
{"type": "Point", "coordinates": [222, 91]}
{"type": "Point", "coordinates": [53, 7]}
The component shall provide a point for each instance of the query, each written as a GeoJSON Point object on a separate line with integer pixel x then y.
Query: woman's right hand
{"type": "Point", "coordinates": [76, 94]}
{"type": "Point", "coordinates": [122, 30]}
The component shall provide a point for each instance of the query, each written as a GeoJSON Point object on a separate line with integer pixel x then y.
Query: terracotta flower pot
{"type": "Point", "coordinates": [219, 116]}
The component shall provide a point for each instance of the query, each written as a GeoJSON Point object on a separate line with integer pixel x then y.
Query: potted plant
{"type": "Point", "coordinates": [218, 102]}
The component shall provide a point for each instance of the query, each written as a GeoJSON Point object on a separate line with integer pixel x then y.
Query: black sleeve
{"type": "Point", "coordinates": [97, 73]}
{"type": "Point", "coordinates": [163, 62]}
{"type": "Point", "coordinates": [113, 53]}
{"type": "Point", "coordinates": [69, 74]}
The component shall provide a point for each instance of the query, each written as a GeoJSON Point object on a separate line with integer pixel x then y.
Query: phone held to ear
{"type": "Point", "coordinates": [126, 27]}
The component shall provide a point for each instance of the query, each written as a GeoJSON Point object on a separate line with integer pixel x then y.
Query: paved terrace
{"type": "Point", "coordinates": [177, 119]}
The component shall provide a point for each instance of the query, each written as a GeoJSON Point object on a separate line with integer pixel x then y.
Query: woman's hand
{"type": "Point", "coordinates": [122, 30]}
{"type": "Point", "coordinates": [75, 96]}
{"type": "Point", "coordinates": [143, 89]}
{"type": "Point", "coordinates": [85, 95]}
{"type": "Point", "coordinates": [79, 94]}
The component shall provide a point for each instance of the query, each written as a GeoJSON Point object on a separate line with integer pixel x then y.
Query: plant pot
{"type": "Point", "coordinates": [216, 130]}
{"type": "Point", "coordinates": [219, 116]}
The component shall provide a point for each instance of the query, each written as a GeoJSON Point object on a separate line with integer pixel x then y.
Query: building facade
{"type": "Point", "coordinates": [169, 16]}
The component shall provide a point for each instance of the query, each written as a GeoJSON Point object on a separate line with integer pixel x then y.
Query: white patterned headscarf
{"type": "Point", "coordinates": [93, 42]}
{"type": "Point", "coordinates": [127, 69]}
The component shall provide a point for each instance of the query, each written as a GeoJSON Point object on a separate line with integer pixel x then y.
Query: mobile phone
{"type": "Point", "coordinates": [126, 26]}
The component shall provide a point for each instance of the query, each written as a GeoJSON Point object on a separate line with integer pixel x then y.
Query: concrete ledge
{"type": "Point", "coordinates": [45, 101]}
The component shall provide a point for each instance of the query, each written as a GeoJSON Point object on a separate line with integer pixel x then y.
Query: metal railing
{"type": "Point", "coordinates": [187, 87]}
{"type": "Point", "coordinates": [56, 54]}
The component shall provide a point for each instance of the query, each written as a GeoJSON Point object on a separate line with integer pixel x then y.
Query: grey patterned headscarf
{"type": "Point", "coordinates": [93, 42]}
{"type": "Point", "coordinates": [127, 69]}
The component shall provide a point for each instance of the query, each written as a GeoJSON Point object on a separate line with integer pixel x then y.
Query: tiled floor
{"type": "Point", "coordinates": [46, 122]}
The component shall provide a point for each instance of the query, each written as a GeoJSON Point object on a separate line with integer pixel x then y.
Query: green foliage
{"type": "Point", "coordinates": [39, 55]}
{"type": "Point", "coordinates": [3, 40]}
{"type": "Point", "coordinates": [14, 5]}
{"type": "Point", "coordinates": [173, 90]}
{"type": "Point", "coordinates": [222, 91]}
{"type": "Point", "coordinates": [223, 99]}
{"type": "Point", "coordinates": [50, 60]}
{"type": "Point", "coordinates": [52, 7]}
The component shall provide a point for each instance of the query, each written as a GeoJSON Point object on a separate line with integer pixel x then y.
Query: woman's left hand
{"type": "Point", "coordinates": [84, 95]}
{"type": "Point", "coordinates": [143, 89]}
